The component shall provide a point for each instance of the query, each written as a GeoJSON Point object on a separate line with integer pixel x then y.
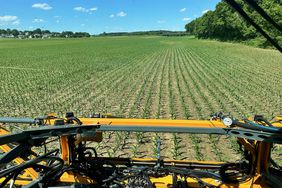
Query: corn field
{"type": "Point", "coordinates": [142, 77]}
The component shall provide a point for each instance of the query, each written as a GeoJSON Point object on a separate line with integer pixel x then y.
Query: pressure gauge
{"type": "Point", "coordinates": [227, 121]}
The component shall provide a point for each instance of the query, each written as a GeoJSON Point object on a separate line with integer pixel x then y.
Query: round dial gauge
{"type": "Point", "coordinates": [227, 121]}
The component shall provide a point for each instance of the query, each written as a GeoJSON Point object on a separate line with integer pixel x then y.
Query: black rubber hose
{"type": "Point", "coordinates": [257, 127]}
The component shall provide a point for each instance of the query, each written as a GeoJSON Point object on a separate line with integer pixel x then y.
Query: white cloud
{"type": "Point", "coordinates": [121, 14]}
{"type": "Point", "coordinates": [186, 19]}
{"type": "Point", "coordinates": [182, 10]}
{"type": "Point", "coordinates": [38, 20]}
{"type": "Point", "coordinates": [93, 9]}
{"type": "Point", "coordinates": [9, 20]}
{"type": "Point", "coordinates": [112, 16]}
{"type": "Point", "coordinates": [80, 9]}
{"type": "Point", "coordinates": [205, 11]}
{"type": "Point", "coordinates": [161, 21]}
{"type": "Point", "coordinates": [43, 6]}
{"type": "Point", "coordinates": [85, 10]}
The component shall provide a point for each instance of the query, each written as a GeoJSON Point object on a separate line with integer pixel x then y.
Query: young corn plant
{"type": "Point", "coordinates": [160, 94]}
{"type": "Point", "coordinates": [110, 152]}
{"type": "Point", "coordinates": [176, 146]}
{"type": "Point", "coordinates": [196, 144]}
{"type": "Point", "coordinates": [140, 137]}
{"type": "Point", "coordinates": [116, 146]}
{"type": "Point", "coordinates": [214, 142]}
{"type": "Point", "coordinates": [156, 139]}
{"type": "Point", "coordinates": [134, 150]}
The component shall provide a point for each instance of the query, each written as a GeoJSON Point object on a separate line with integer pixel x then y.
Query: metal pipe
{"type": "Point", "coordinates": [172, 129]}
{"type": "Point", "coordinates": [18, 120]}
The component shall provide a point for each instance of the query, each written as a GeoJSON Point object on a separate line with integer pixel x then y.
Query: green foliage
{"type": "Point", "coordinates": [227, 25]}
{"type": "Point", "coordinates": [156, 139]}
{"type": "Point", "coordinates": [176, 146]}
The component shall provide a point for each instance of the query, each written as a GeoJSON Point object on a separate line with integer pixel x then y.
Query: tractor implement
{"type": "Point", "coordinates": [73, 163]}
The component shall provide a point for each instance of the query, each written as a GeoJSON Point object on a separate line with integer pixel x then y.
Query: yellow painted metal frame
{"type": "Point", "coordinates": [259, 151]}
{"type": "Point", "coordinates": [29, 173]}
{"type": "Point", "coordinates": [154, 122]}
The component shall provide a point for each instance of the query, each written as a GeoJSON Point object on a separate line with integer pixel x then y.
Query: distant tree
{"type": "Point", "coordinates": [3, 32]}
{"type": "Point", "coordinates": [46, 32]}
{"type": "Point", "coordinates": [226, 24]}
{"type": "Point", "coordinates": [15, 32]}
{"type": "Point", "coordinates": [81, 34]}
{"type": "Point", "coordinates": [37, 31]}
{"type": "Point", "coordinates": [8, 31]}
{"type": "Point", "coordinates": [56, 34]}
{"type": "Point", "coordinates": [67, 34]}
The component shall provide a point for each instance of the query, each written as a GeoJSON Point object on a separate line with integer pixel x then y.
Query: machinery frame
{"type": "Point", "coordinates": [256, 137]}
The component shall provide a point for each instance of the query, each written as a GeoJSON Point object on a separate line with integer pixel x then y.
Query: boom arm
{"type": "Point", "coordinates": [256, 137]}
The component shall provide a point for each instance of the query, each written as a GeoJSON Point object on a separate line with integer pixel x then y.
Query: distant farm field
{"type": "Point", "coordinates": [142, 77]}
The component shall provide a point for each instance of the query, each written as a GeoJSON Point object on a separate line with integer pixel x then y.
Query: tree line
{"type": "Point", "coordinates": [138, 33]}
{"type": "Point", "coordinates": [38, 33]}
{"type": "Point", "coordinates": [225, 24]}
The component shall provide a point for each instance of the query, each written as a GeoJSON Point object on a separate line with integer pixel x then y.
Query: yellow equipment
{"type": "Point", "coordinates": [74, 163]}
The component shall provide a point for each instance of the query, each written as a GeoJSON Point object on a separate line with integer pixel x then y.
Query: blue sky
{"type": "Point", "coordinates": [97, 16]}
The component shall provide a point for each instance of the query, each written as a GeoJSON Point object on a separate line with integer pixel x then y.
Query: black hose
{"type": "Point", "coordinates": [13, 172]}
{"type": "Point", "coordinates": [257, 127]}
{"type": "Point", "coordinates": [94, 151]}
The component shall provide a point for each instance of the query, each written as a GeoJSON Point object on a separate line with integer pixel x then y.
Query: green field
{"type": "Point", "coordinates": [142, 77]}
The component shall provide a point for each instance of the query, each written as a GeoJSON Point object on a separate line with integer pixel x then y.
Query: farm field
{"type": "Point", "coordinates": [142, 77]}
